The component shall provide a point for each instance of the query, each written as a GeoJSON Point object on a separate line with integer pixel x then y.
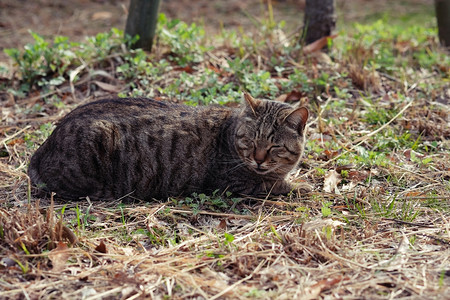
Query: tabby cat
{"type": "Point", "coordinates": [145, 149]}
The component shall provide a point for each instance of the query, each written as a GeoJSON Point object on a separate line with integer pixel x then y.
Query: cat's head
{"type": "Point", "coordinates": [270, 136]}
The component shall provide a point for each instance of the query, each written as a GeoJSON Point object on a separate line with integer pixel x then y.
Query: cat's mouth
{"type": "Point", "coordinates": [260, 170]}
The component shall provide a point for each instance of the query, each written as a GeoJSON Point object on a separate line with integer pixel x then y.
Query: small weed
{"type": "Point", "coordinates": [260, 84]}
{"type": "Point", "coordinates": [275, 233]}
{"type": "Point", "coordinates": [328, 232]}
{"type": "Point", "coordinates": [442, 277]}
{"type": "Point", "coordinates": [156, 236]}
{"type": "Point", "coordinates": [379, 116]}
{"type": "Point", "coordinates": [44, 64]}
{"type": "Point", "coordinates": [407, 211]}
{"type": "Point", "coordinates": [24, 248]}
{"type": "Point", "coordinates": [83, 219]}
{"type": "Point", "coordinates": [24, 267]}
{"type": "Point", "coordinates": [212, 254]}
{"type": "Point", "coordinates": [321, 172]}
{"type": "Point", "coordinates": [432, 201]}
{"type": "Point", "coordinates": [122, 215]}
{"type": "Point", "coordinates": [229, 238]}
{"type": "Point", "coordinates": [201, 201]}
{"type": "Point", "coordinates": [384, 209]}
{"type": "Point", "coordinates": [370, 158]}
{"type": "Point", "coordinates": [255, 293]}
{"type": "Point", "coordinates": [355, 207]}
{"type": "Point", "coordinates": [42, 134]}
{"type": "Point", "coordinates": [305, 213]}
{"type": "Point", "coordinates": [326, 210]}
{"type": "Point", "coordinates": [184, 41]}
{"type": "Point", "coordinates": [78, 216]}
{"type": "Point", "coordinates": [404, 210]}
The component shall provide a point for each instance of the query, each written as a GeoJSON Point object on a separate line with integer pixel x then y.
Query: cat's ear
{"type": "Point", "coordinates": [298, 118]}
{"type": "Point", "coordinates": [252, 103]}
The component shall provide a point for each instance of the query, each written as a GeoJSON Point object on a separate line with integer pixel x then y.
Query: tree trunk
{"type": "Point", "coordinates": [319, 21]}
{"type": "Point", "coordinates": [142, 18]}
{"type": "Point", "coordinates": [443, 21]}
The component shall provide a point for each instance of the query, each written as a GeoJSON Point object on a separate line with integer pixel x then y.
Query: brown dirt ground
{"type": "Point", "coordinates": [79, 18]}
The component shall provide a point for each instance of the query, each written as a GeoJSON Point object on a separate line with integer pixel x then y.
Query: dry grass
{"type": "Point", "coordinates": [273, 255]}
{"type": "Point", "coordinates": [279, 248]}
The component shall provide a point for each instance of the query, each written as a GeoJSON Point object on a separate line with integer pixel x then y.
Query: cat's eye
{"type": "Point", "coordinates": [277, 149]}
{"type": "Point", "coordinates": [280, 152]}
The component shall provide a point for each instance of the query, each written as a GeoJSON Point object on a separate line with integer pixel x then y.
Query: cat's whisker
{"type": "Point", "coordinates": [236, 167]}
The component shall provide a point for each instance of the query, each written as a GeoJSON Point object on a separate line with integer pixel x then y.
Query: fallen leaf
{"type": "Point", "coordinates": [59, 257]}
{"type": "Point", "coordinates": [349, 187]}
{"type": "Point", "coordinates": [414, 194]}
{"type": "Point", "coordinates": [16, 141]}
{"type": "Point", "coordinates": [281, 98]}
{"type": "Point", "coordinates": [222, 224]}
{"type": "Point", "coordinates": [407, 154]}
{"type": "Point", "coordinates": [88, 292]}
{"type": "Point", "coordinates": [331, 154]}
{"type": "Point", "coordinates": [403, 46]}
{"type": "Point", "coordinates": [319, 137]}
{"type": "Point", "coordinates": [101, 248]}
{"type": "Point", "coordinates": [107, 87]}
{"type": "Point", "coordinates": [187, 69]}
{"type": "Point", "coordinates": [321, 223]}
{"type": "Point", "coordinates": [318, 44]}
{"type": "Point", "coordinates": [102, 73]}
{"type": "Point", "coordinates": [320, 57]}
{"type": "Point", "coordinates": [122, 277]}
{"type": "Point", "coordinates": [313, 291]}
{"type": "Point", "coordinates": [411, 154]}
{"type": "Point", "coordinates": [218, 69]}
{"type": "Point", "coordinates": [68, 234]}
{"type": "Point", "coordinates": [213, 68]}
{"type": "Point", "coordinates": [294, 96]}
{"type": "Point", "coordinates": [358, 175]}
{"type": "Point", "coordinates": [331, 180]}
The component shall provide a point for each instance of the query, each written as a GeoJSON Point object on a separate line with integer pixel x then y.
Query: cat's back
{"type": "Point", "coordinates": [145, 112]}
{"type": "Point", "coordinates": [122, 109]}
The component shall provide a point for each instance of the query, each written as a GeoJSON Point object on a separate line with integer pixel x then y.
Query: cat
{"type": "Point", "coordinates": [149, 149]}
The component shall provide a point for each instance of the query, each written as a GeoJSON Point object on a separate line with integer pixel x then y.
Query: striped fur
{"type": "Point", "coordinates": [149, 149]}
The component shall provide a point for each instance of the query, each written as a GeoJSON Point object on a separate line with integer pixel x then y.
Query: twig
{"type": "Point", "coordinates": [434, 238]}
{"type": "Point", "coordinates": [408, 223]}
{"type": "Point", "coordinates": [389, 77]}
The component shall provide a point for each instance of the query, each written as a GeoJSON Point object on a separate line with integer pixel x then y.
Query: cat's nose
{"type": "Point", "coordinates": [259, 156]}
{"type": "Point", "coordinates": [259, 161]}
